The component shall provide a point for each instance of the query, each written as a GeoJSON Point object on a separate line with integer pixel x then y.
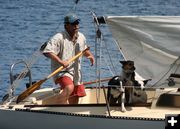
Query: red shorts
{"type": "Point", "coordinates": [79, 90]}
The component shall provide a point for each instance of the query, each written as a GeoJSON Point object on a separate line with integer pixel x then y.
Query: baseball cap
{"type": "Point", "coordinates": [71, 18]}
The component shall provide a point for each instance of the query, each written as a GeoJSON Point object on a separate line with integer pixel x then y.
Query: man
{"type": "Point", "coordinates": [60, 48]}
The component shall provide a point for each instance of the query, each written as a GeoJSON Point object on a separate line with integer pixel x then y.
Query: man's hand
{"type": "Point", "coordinates": [92, 60]}
{"type": "Point", "coordinates": [64, 64]}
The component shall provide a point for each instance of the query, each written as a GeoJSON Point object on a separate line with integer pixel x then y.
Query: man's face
{"type": "Point", "coordinates": [73, 28]}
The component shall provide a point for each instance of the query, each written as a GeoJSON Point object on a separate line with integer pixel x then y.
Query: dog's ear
{"type": "Point", "coordinates": [146, 81]}
{"type": "Point", "coordinates": [122, 62]}
{"type": "Point", "coordinates": [128, 61]}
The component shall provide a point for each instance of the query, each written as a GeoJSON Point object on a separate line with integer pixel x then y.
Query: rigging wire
{"type": "Point", "coordinates": [71, 10]}
{"type": "Point", "coordinates": [98, 50]}
{"type": "Point", "coordinates": [114, 72]}
{"type": "Point", "coordinates": [110, 63]}
{"type": "Point", "coordinates": [97, 40]}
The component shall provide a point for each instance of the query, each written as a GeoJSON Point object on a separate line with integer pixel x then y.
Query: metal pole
{"type": "Point", "coordinates": [98, 62]}
{"type": "Point", "coordinates": [107, 102]}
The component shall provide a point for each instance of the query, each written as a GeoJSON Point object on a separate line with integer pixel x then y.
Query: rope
{"type": "Point", "coordinates": [172, 65]}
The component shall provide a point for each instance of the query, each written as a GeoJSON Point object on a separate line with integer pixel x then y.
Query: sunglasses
{"type": "Point", "coordinates": [75, 23]}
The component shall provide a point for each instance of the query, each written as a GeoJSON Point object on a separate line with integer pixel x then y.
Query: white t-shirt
{"type": "Point", "coordinates": [61, 45]}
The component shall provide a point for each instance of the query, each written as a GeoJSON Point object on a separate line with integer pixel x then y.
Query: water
{"type": "Point", "coordinates": [26, 24]}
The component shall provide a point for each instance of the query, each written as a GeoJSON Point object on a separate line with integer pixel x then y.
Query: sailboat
{"type": "Point", "coordinates": [152, 42]}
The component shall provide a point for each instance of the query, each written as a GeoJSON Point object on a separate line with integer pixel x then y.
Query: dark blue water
{"type": "Point", "coordinates": [26, 24]}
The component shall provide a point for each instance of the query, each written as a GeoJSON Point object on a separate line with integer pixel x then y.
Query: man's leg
{"type": "Point", "coordinates": [73, 99]}
{"type": "Point", "coordinates": [79, 91]}
{"type": "Point", "coordinates": [67, 87]}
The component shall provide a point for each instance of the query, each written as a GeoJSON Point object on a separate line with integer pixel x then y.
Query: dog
{"type": "Point", "coordinates": [121, 88]}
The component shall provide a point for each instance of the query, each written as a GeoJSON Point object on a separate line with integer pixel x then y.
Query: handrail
{"type": "Point", "coordinates": [19, 76]}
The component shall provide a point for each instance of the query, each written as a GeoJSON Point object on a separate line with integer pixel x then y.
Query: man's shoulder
{"type": "Point", "coordinates": [59, 34]}
{"type": "Point", "coordinates": [56, 38]}
{"type": "Point", "coordinates": [81, 35]}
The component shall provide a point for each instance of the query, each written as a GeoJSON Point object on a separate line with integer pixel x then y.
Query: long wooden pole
{"type": "Point", "coordinates": [36, 85]}
{"type": "Point", "coordinates": [97, 81]}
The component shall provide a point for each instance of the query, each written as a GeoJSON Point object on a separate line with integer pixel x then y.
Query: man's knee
{"type": "Point", "coordinates": [68, 89]}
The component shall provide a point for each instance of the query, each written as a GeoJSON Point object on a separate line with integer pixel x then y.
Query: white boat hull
{"type": "Point", "coordinates": [25, 119]}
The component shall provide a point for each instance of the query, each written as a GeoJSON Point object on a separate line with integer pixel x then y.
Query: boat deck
{"type": "Point", "coordinates": [134, 112]}
{"type": "Point", "coordinates": [89, 106]}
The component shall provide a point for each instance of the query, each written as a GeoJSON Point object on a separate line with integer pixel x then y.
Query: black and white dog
{"type": "Point", "coordinates": [121, 88]}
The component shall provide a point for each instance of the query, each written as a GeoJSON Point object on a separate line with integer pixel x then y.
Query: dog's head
{"type": "Point", "coordinates": [128, 66]}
